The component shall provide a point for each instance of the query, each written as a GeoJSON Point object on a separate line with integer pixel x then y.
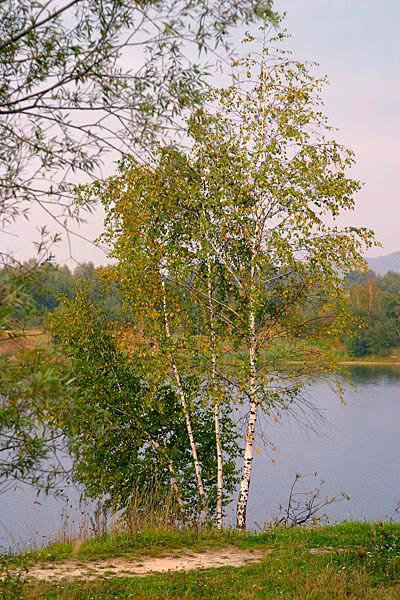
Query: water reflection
{"type": "Point", "coordinates": [361, 374]}
{"type": "Point", "coordinates": [356, 449]}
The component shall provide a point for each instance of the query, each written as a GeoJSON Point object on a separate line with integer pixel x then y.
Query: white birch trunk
{"type": "Point", "coordinates": [216, 410]}
{"type": "Point", "coordinates": [185, 409]}
{"type": "Point", "coordinates": [252, 418]}
{"type": "Point", "coordinates": [251, 427]}
{"type": "Point", "coordinates": [174, 483]}
{"type": "Point", "coordinates": [158, 449]}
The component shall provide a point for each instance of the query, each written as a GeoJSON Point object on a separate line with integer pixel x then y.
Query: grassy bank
{"type": "Point", "coordinates": [351, 560]}
{"type": "Point", "coordinates": [296, 349]}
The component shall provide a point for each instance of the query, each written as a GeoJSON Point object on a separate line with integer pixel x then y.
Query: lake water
{"type": "Point", "coordinates": [356, 450]}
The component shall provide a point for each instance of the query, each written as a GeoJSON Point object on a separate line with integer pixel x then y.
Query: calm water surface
{"type": "Point", "coordinates": [357, 450]}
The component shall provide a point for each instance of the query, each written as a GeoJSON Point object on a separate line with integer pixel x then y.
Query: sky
{"type": "Point", "coordinates": [357, 45]}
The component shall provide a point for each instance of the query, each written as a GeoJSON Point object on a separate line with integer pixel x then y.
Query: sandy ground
{"type": "Point", "coordinates": [139, 567]}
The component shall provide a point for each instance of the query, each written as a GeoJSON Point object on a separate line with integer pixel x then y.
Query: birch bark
{"type": "Point", "coordinates": [241, 511]}
{"type": "Point", "coordinates": [216, 407]}
{"type": "Point", "coordinates": [185, 408]}
{"type": "Point", "coordinates": [256, 248]}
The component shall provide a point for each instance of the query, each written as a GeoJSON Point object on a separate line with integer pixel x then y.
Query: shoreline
{"type": "Point", "coordinates": [369, 363]}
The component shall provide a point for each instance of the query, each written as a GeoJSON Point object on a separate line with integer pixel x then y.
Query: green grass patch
{"type": "Point", "coordinates": [350, 560]}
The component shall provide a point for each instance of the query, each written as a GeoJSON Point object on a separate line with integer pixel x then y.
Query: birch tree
{"type": "Point", "coordinates": [125, 431]}
{"type": "Point", "coordinates": [246, 232]}
{"type": "Point", "coordinates": [281, 181]}
{"type": "Point", "coordinates": [147, 225]}
{"type": "Point", "coordinates": [206, 287]}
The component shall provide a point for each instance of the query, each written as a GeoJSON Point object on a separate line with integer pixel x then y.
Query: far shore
{"type": "Point", "coordinates": [368, 362]}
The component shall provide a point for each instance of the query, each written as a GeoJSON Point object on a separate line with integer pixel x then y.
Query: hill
{"type": "Point", "coordinates": [382, 264]}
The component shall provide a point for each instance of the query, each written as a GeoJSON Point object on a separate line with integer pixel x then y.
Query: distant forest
{"type": "Point", "coordinates": [42, 289]}
{"type": "Point", "coordinates": [374, 301]}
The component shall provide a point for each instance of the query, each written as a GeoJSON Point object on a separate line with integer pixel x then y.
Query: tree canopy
{"type": "Point", "coordinates": [81, 78]}
{"type": "Point", "coordinates": [125, 429]}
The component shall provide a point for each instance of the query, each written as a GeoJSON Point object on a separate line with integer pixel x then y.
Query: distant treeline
{"type": "Point", "coordinates": [375, 305]}
{"type": "Point", "coordinates": [374, 301]}
{"type": "Point", "coordinates": [43, 287]}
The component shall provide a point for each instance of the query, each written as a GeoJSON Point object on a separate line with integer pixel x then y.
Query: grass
{"type": "Point", "coordinates": [295, 351]}
{"type": "Point", "coordinates": [29, 339]}
{"type": "Point", "coordinates": [38, 338]}
{"type": "Point", "coordinates": [351, 560]}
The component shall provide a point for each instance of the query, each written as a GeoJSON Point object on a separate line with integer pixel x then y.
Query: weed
{"type": "Point", "coordinates": [12, 577]}
{"type": "Point", "coordinates": [382, 559]}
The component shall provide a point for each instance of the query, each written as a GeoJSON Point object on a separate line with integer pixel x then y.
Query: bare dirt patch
{"type": "Point", "coordinates": [139, 567]}
{"type": "Point", "coordinates": [329, 550]}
